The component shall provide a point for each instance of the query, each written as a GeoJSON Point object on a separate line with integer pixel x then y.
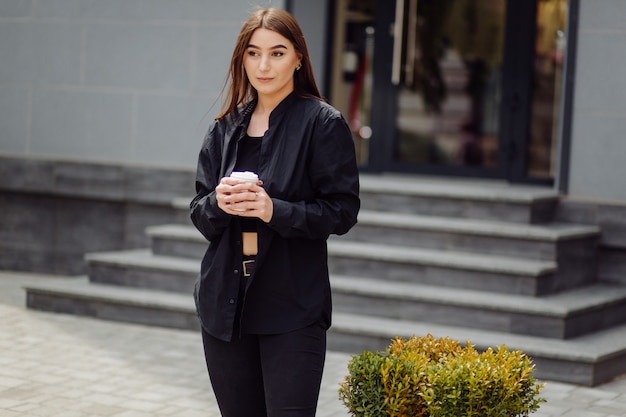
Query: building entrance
{"type": "Point", "coordinates": [452, 87]}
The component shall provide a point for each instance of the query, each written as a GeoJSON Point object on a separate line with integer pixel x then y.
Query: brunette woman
{"type": "Point", "coordinates": [263, 296]}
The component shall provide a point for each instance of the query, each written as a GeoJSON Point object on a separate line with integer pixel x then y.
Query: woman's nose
{"type": "Point", "coordinates": [264, 65]}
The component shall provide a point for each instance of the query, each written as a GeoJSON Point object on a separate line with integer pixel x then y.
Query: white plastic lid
{"type": "Point", "coordinates": [248, 176]}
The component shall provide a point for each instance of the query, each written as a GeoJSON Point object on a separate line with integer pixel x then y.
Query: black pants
{"type": "Point", "coordinates": [267, 375]}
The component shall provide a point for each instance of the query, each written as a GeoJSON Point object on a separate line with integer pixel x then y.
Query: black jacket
{"type": "Point", "coordinates": [308, 167]}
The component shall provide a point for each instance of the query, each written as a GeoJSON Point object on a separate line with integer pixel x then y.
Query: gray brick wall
{"type": "Point", "coordinates": [130, 81]}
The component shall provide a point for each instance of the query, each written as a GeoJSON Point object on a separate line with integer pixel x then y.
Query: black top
{"type": "Point", "coordinates": [248, 160]}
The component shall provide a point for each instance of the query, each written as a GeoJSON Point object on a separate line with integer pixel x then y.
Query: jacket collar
{"type": "Point", "coordinates": [283, 106]}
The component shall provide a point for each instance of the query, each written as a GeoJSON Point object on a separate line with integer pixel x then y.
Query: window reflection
{"type": "Point", "coordinates": [352, 76]}
{"type": "Point", "coordinates": [548, 68]}
{"type": "Point", "coordinates": [450, 82]}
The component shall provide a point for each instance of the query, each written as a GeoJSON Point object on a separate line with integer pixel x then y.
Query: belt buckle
{"type": "Point", "coordinates": [248, 267]}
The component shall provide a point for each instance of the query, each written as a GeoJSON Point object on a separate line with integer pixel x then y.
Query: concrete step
{"type": "Point", "coordinates": [491, 273]}
{"type": "Point", "coordinates": [177, 240]}
{"type": "Point", "coordinates": [181, 210]}
{"type": "Point", "coordinates": [587, 360]}
{"type": "Point", "coordinates": [143, 269]}
{"type": "Point", "coordinates": [461, 198]}
{"type": "Point", "coordinates": [551, 241]}
{"type": "Point", "coordinates": [182, 203]}
{"type": "Point", "coordinates": [565, 315]}
{"type": "Point", "coordinates": [81, 297]}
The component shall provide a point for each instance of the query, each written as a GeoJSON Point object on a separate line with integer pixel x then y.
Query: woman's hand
{"type": "Point", "coordinates": [244, 199]}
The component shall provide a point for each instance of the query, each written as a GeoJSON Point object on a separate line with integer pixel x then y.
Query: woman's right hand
{"type": "Point", "coordinates": [226, 191]}
{"type": "Point", "coordinates": [243, 199]}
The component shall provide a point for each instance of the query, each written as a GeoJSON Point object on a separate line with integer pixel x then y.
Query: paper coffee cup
{"type": "Point", "coordinates": [245, 176]}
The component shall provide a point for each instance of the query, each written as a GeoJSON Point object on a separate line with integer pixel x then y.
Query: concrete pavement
{"type": "Point", "coordinates": [60, 365]}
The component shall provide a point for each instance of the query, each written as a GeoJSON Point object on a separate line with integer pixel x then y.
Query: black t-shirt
{"type": "Point", "coordinates": [248, 160]}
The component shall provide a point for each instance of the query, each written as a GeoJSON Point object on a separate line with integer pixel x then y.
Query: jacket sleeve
{"type": "Point", "coordinates": [208, 218]}
{"type": "Point", "coordinates": [333, 172]}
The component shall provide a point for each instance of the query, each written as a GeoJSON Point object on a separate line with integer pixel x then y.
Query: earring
{"type": "Point", "coordinates": [299, 66]}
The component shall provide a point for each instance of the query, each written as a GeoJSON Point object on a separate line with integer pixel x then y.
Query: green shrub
{"type": "Point", "coordinates": [428, 377]}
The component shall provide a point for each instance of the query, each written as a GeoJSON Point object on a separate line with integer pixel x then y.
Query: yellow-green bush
{"type": "Point", "coordinates": [428, 377]}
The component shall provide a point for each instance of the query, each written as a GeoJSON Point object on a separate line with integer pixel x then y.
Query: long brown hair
{"type": "Point", "coordinates": [240, 90]}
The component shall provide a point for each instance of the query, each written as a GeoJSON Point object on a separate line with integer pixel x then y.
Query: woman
{"type": "Point", "coordinates": [263, 296]}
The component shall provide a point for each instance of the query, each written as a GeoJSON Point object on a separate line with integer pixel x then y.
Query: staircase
{"type": "Point", "coordinates": [474, 260]}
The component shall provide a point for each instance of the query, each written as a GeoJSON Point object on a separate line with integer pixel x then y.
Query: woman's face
{"type": "Point", "coordinates": [270, 62]}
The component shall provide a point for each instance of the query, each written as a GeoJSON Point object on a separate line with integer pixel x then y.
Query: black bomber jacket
{"type": "Point", "coordinates": [308, 167]}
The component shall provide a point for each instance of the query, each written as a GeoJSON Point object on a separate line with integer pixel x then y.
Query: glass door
{"type": "Point", "coordinates": [445, 82]}
{"type": "Point", "coordinates": [452, 87]}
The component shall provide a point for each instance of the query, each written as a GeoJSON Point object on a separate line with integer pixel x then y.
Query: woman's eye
{"type": "Point", "coordinates": [278, 54]}
{"type": "Point", "coordinates": [252, 53]}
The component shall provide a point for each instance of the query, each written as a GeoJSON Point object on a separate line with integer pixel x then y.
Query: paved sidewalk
{"type": "Point", "coordinates": [61, 365]}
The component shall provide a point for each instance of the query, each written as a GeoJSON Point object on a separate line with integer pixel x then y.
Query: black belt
{"type": "Point", "coordinates": [248, 267]}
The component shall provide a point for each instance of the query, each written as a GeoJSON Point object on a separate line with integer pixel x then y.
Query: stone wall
{"type": "Point", "coordinates": [611, 218]}
{"type": "Point", "coordinates": [53, 212]}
